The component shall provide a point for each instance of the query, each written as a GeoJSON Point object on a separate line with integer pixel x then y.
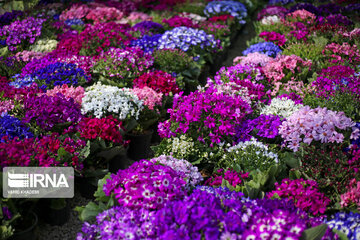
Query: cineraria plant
{"type": "Point", "coordinates": [51, 112]}
{"type": "Point", "coordinates": [268, 48]}
{"type": "Point", "coordinates": [21, 32]}
{"type": "Point", "coordinates": [351, 199]}
{"type": "Point", "coordinates": [281, 107]}
{"type": "Point", "coordinates": [120, 66]}
{"type": "Point", "coordinates": [184, 147]}
{"type": "Point", "coordinates": [146, 185]}
{"type": "Point", "coordinates": [304, 193]}
{"type": "Point", "coordinates": [192, 175]}
{"type": "Point", "coordinates": [207, 115]}
{"type": "Point", "coordinates": [234, 8]}
{"type": "Point", "coordinates": [346, 223]}
{"type": "Point", "coordinates": [228, 177]}
{"type": "Point", "coordinates": [103, 100]}
{"type": "Point", "coordinates": [58, 74]}
{"type": "Point", "coordinates": [11, 127]}
{"type": "Point", "coordinates": [249, 156]}
{"type": "Point", "coordinates": [319, 124]}
{"type": "Point", "coordinates": [187, 39]}
{"type": "Point", "coordinates": [159, 81]}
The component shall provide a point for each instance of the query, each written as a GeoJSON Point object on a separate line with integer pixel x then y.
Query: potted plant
{"type": "Point", "coordinates": [140, 131]}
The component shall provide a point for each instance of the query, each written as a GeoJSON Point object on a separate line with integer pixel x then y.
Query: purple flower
{"type": "Point", "coordinates": [6, 212]}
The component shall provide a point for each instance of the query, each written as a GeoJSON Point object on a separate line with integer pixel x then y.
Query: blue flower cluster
{"type": "Point", "coordinates": [3, 42]}
{"type": "Point", "coordinates": [74, 21]}
{"type": "Point", "coordinates": [147, 26]}
{"type": "Point", "coordinates": [268, 48]}
{"type": "Point", "coordinates": [8, 17]}
{"type": "Point", "coordinates": [19, 82]}
{"type": "Point", "coordinates": [348, 223]}
{"type": "Point", "coordinates": [184, 38]}
{"type": "Point", "coordinates": [234, 8]}
{"type": "Point", "coordinates": [12, 127]}
{"type": "Point", "coordinates": [58, 74]}
{"type": "Point", "coordinates": [280, 2]}
{"type": "Point", "coordinates": [147, 43]}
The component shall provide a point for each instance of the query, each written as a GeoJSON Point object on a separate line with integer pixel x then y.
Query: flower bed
{"type": "Point", "coordinates": [268, 148]}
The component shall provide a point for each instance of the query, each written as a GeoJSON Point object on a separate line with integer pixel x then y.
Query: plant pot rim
{"type": "Point", "coordinates": [35, 222]}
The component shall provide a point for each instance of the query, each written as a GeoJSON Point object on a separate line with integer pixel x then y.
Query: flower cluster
{"type": "Point", "coordinates": [146, 185]}
{"type": "Point", "coordinates": [102, 100]}
{"type": "Point", "coordinates": [147, 43]}
{"type": "Point", "coordinates": [266, 126]}
{"type": "Point", "coordinates": [178, 21]}
{"type": "Point", "coordinates": [249, 156]}
{"type": "Point", "coordinates": [109, 129]}
{"type": "Point", "coordinates": [208, 115]}
{"type": "Point", "coordinates": [68, 92]}
{"type": "Point", "coordinates": [342, 53]}
{"type": "Point", "coordinates": [74, 21]}
{"type": "Point", "coordinates": [20, 82]}
{"type": "Point", "coordinates": [11, 127]}
{"type": "Point", "coordinates": [104, 14]}
{"type": "Point", "coordinates": [319, 124]}
{"type": "Point", "coordinates": [185, 39]}
{"type": "Point", "coordinates": [44, 46]}
{"type": "Point", "coordinates": [268, 48]}
{"type": "Point", "coordinates": [232, 177]}
{"type": "Point", "coordinates": [304, 193]}
{"type": "Point", "coordinates": [6, 106]}
{"type": "Point", "coordinates": [234, 8]}
{"type": "Point", "coordinates": [21, 32]}
{"type": "Point", "coordinates": [181, 166]}
{"type": "Point", "coordinates": [274, 37]}
{"type": "Point", "coordinates": [147, 27]}
{"type": "Point", "coordinates": [49, 111]}
{"type": "Point", "coordinates": [352, 196]}
{"type": "Point", "coordinates": [281, 107]}
{"type": "Point", "coordinates": [42, 152]}
{"type": "Point", "coordinates": [149, 96]}
{"type": "Point", "coordinates": [253, 59]}
{"type": "Point", "coordinates": [347, 223]}
{"type": "Point", "coordinates": [272, 11]}
{"type": "Point", "coordinates": [161, 82]}
{"type": "Point", "coordinates": [58, 74]}
{"type": "Point", "coordinates": [123, 64]}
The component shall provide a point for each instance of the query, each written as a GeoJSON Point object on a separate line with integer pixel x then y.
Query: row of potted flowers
{"type": "Point", "coordinates": [84, 84]}
{"type": "Point", "coordinates": [267, 149]}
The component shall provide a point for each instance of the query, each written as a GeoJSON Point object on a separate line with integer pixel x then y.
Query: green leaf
{"type": "Point", "coordinates": [90, 211]}
{"type": "Point", "coordinates": [111, 153]}
{"type": "Point", "coordinates": [99, 194]}
{"type": "Point", "coordinates": [291, 160]}
{"type": "Point", "coordinates": [3, 51]}
{"type": "Point", "coordinates": [342, 236]}
{"type": "Point", "coordinates": [315, 233]}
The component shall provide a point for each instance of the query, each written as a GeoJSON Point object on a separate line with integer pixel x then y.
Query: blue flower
{"type": "Point", "coordinates": [147, 43]}
{"type": "Point", "coordinates": [348, 223]}
{"type": "Point", "coordinates": [186, 38]}
{"type": "Point", "coordinates": [74, 21]}
{"type": "Point", "coordinates": [234, 8]}
{"type": "Point", "coordinates": [20, 82]}
{"type": "Point", "coordinates": [280, 2]}
{"type": "Point", "coordinates": [268, 48]}
{"type": "Point", "coordinates": [12, 127]}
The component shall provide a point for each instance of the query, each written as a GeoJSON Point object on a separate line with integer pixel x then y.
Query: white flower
{"type": "Point", "coordinates": [281, 107]}
{"type": "Point", "coordinates": [100, 100]}
{"type": "Point", "coordinates": [270, 20]}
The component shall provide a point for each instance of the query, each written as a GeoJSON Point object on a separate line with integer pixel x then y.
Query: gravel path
{"type": "Point", "coordinates": [67, 231]}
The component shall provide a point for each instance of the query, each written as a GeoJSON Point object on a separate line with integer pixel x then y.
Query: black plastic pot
{"type": "Point", "coordinates": [58, 217]}
{"type": "Point", "coordinates": [119, 162]}
{"type": "Point", "coordinates": [29, 233]}
{"type": "Point", "coordinates": [86, 187]}
{"type": "Point", "coordinates": [139, 147]}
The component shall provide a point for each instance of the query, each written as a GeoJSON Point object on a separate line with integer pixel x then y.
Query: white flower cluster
{"type": "Point", "coordinates": [281, 107]}
{"type": "Point", "coordinates": [270, 20]}
{"type": "Point", "coordinates": [194, 17]}
{"type": "Point", "coordinates": [192, 175]}
{"type": "Point", "coordinates": [262, 149]}
{"type": "Point", "coordinates": [181, 146]}
{"type": "Point", "coordinates": [44, 45]}
{"type": "Point", "coordinates": [102, 100]}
